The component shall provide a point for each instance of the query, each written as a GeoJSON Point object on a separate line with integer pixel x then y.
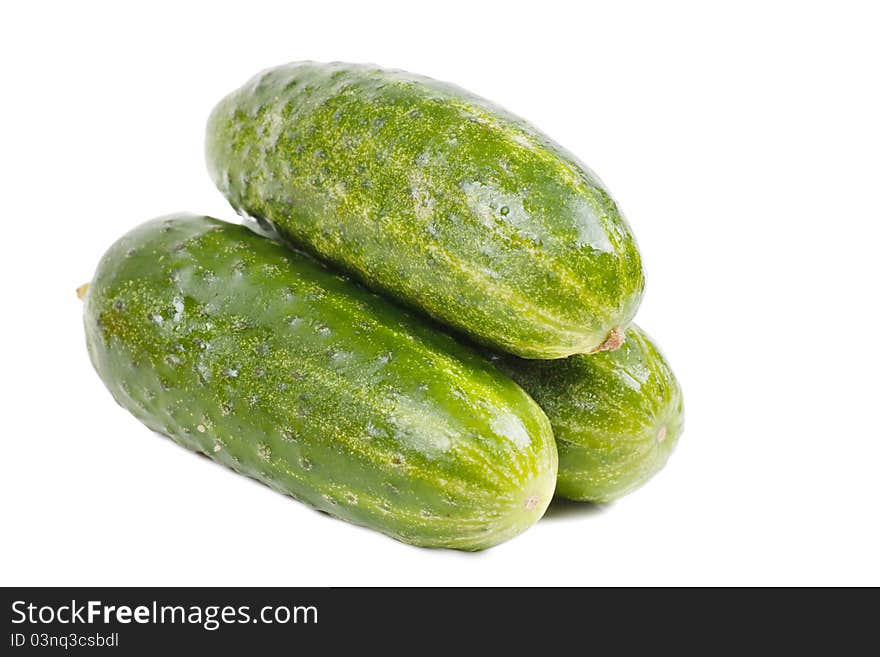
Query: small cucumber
{"type": "Point", "coordinates": [436, 197]}
{"type": "Point", "coordinates": [616, 415]}
{"type": "Point", "coordinates": [265, 361]}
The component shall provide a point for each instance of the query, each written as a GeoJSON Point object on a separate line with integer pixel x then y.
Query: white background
{"type": "Point", "coordinates": [743, 143]}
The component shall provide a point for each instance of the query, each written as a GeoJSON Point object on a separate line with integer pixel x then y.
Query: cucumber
{"type": "Point", "coordinates": [435, 197]}
{"type": "Point", "coordinates": [616, 415]}
{"type": "Point", "coordinates": [265, 361]}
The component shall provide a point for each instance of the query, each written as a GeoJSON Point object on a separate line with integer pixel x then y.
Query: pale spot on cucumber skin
{"type": "Point", "coordinates": [264, 452]}
{"type": "Point", "coordinates": [338, 357]}
{"type": "Point", "coordinates": [201, 428]}
{"type": "Point", "coordinates": [511, 427]}
{"type": "Point", "coordinates": [590, 227]}
{"type": "Point", "coordinates": [522, 140]}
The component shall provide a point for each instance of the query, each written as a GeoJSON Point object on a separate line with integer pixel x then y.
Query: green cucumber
{"type": "Point", "coordinates": [436, 197]}
{"type": "Point", "coordinates": [616, 415]}
{"type": "Point", "coordinates": [267, 362]}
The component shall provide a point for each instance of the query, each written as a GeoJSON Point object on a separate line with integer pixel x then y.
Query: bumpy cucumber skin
{"type": "Point", "coordinates": [265, 361]}
{"type": "Point", "coordinates": [435, 196]}
{"type": "Point", "coordinates": [617, 415]}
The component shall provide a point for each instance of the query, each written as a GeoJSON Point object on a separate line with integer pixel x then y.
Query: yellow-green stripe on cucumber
{"type": "Point", "coordinates": [436, 197]}
{"type": "Point", "coordinates": [267, 362]}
